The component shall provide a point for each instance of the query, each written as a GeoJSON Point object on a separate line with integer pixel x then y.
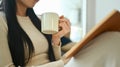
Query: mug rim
{"type": "Point", "coordinates": [49, 13]}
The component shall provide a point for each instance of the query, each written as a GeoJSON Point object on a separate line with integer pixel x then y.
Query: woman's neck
{"type": "Point", "coordinates": [21, 10]}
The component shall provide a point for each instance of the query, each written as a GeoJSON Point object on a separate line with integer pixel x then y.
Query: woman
{"type": "Point", "coordinates": [22, 42]}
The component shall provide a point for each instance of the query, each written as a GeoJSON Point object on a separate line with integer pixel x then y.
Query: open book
{"type": "Point", "coordinates": [109, 23]}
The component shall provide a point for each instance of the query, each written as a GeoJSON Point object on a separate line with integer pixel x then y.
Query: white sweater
{"type": "Point", "coordinates": [40, 43]}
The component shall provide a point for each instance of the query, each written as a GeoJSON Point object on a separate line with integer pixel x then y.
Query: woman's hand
{"type": "Point", "coordinates": [64, 28]}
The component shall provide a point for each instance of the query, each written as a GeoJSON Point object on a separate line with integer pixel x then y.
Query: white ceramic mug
{"type": "Point", "coordinates": [49, 22]}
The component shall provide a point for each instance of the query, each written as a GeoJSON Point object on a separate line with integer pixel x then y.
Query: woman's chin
{"type": "Point", "coordinates": [31, 6]}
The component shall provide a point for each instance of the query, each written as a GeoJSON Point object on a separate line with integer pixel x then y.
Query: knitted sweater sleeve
{"type": "Point", "coordinates": [5, 56]}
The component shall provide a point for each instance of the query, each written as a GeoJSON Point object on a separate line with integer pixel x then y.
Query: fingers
{"type": "Point", "coordinates": [63, 19]}
{"type": "Point", "coordinates": [64, 27]}
{"type": "Point", "coordinates": [65, 22]}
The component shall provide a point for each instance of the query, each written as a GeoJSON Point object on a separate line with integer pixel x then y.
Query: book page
{"type": "Point", "coordinates": [110, 23]}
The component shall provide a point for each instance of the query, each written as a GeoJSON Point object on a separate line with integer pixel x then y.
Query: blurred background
{"type": "Point", "coordinates": [83, 14]}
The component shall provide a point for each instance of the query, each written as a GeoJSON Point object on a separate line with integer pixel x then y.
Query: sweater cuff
{"type": "Point", "coordinates": [57, 51]}
{"type": "Point", "coordinates": [54, 45]}
{"type": "Point", "coordinates": [57, 45]}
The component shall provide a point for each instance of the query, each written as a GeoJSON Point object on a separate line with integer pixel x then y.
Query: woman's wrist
{"type": "Point", "coordinates": [56, 40]}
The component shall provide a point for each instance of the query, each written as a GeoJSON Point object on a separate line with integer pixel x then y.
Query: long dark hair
{"type": "Point", "coordinates": [18, 40]}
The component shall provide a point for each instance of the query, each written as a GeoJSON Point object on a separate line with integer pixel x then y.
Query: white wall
{"type": "Point", "coordinates": [90, 14]}
{"type": "Point", "coordinates": [103, 7]}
